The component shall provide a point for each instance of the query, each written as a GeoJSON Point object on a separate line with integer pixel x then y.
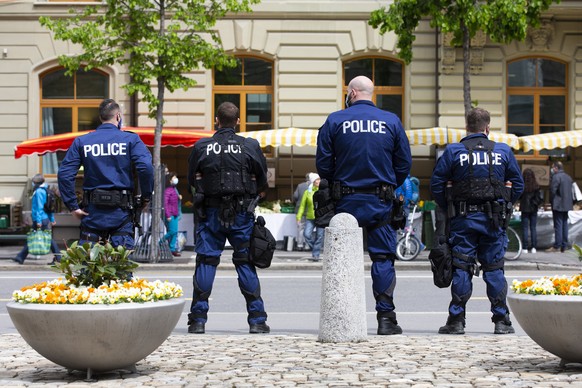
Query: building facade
{"type": "Point", "coordinates": [295, 60]}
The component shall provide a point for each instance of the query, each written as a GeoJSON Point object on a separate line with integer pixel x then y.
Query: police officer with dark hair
{"type": "Point", "coordinates": [108, 156]}
{"type": "Point", "coordinates": [476, 181]}
{"type": "Point", "coordinates": [364, 153]}
{"type": "Point", "coordinates": [227, 172]}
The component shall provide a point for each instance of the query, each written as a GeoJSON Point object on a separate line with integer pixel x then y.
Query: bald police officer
{"type": "Point", "coordinates": [484, 181]}
{"type": "Point", "coordinates": [227, 172]}
{"type": "Point", "coordinates": [364, 153]}
{"type": "Point", "coordinates": [108, 156]}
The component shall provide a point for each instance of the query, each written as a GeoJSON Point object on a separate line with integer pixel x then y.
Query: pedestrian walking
{"type": "Point", "coordinates": [476, 181]}
{"type": "Point", "coordinates": [297, 196]}
{"type": "Point", "coordinates": [562, 201]}
{"type": "Point", "coordinates": [108, 155]}
{"type": "Point", "coordinates": [364, 153]}
{"type": "Point", "coordinates": [227, 172]}
{"type": "Point", "coordinates": [42, 217]}
{"type": "Point", "coordinates": [313, 235]}
{"type": "Point", "coordinates": [173, 211]}
{"type": "Point", "coordinates": [529, 203]}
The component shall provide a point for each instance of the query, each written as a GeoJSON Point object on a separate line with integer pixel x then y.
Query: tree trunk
{"type": "Point", "coordinates": [466, 68]}
{"type": "Point", "coordinates": [158, 194]}
{"type": "Point", "coordinates": [158, 175]}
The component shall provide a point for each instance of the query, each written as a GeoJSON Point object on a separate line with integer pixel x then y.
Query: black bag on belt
{"type": "Point", "coordinates": [441, 263]}
{"type": "Point", "coordinates": [262, 245]}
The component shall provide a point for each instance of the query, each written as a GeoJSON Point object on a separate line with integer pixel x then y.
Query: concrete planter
{"type": "Point", "coordinates": [96, 338]}
{"type": "Point", "coordinates": [553, 321]}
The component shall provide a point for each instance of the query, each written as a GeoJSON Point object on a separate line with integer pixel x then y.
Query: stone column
{"type": "Point", "coordinates": [343, 301]}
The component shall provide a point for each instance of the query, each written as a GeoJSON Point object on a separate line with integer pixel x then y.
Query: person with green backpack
{"type": "Point", "coordinates": [40, 218]}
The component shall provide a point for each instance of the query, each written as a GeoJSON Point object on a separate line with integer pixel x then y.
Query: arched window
{"type": "Point", "coordinates": [249, 86]}
{"type": "Point", "coordinates": [536, 97]}
{"type": "Point", "coordinates": [69, 104]}
{"type": "Point", "coordinates": [387, 75]}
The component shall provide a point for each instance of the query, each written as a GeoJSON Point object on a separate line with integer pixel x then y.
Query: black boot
{"type": "Point", "coordinates": [503, 325]}
{"type": "Point", "coordinates": [196, 328]}
{"type": "Point", "coordinates": [259, 328]}
{"type": "Point", "coordinates": [454, 325]}
{"type": "Point", "coordinates": [388, 326]}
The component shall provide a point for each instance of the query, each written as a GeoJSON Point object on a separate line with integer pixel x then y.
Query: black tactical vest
{"type": "Point", "coordinates": [475, 190]}
{"type": "Point", "coordinates": [227, 171]}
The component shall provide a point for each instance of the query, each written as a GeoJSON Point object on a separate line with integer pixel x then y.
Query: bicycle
{"type": "Point", "coordinates": [514, 245]}
{"type": "Point", "coordinates": [408, 246]}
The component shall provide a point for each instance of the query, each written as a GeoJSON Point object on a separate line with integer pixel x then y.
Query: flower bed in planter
{"type": "Point", "coordinates": [100, 317]}
{"type": "Point", "coordinates": [550, 311]}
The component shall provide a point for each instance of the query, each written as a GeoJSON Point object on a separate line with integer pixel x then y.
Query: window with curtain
{"type": "Point", "coordinates": [387, 75]}
{"type": "Point", "coordinates": [536, 97]}
{"type": "Point", "coordinates": [249, 86]}
{"type": "Point", "coordinates": [69, 104]}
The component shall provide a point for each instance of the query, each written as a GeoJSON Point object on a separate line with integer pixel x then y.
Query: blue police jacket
{"type": "Point", "coordinates": [453, 166]}
{"type": "Point", "coordinates": [363, 147]}
{"type": "Point", "coordinates": [108, 156]}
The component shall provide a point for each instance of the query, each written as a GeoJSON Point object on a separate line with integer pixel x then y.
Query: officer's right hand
{"type": "Point", "coordinates": [79, 214]}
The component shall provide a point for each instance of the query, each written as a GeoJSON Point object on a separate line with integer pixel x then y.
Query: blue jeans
{"type": "Point", "coordinates": [529, 223]}
{"type": "Point", "coordinates": [54, 247]}
{"type": "Point", "coordinates": [560, 229]}
{"type": "Point", "coordinates": [314, 242]}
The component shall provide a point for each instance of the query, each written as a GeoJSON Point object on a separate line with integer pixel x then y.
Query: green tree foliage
{"type": "Point", "coordinates": [501, 20]}
{"type": "Point", "coordinates": [158, 41]}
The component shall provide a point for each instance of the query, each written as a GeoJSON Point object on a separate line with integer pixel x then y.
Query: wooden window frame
{"type": "Point", "coordinates": [536, 92]}
{"type": "Point", "coordinates": [74, 103]}
{"type": "Point", "coordinates": [244, 90]}
{"type": "Point", "coordinates": [378, 90]}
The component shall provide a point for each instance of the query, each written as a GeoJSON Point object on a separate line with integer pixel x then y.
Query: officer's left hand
{"type": "Point", "coordinates": [79, 214]}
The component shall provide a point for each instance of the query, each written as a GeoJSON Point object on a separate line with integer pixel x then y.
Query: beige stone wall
{"type": "Point", "coordinates": [307, 40]}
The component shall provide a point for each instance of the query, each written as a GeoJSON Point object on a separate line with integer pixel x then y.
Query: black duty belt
{"type": "Point", "coordinates": [463, 208]}
{"type": "Point", "coordinates": [242, 201]}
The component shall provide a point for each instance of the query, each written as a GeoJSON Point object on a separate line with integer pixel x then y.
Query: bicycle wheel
{"type": "Point", "coordinates": [407, 248]}
{"type": "Point", "coordinates": [514, 245]}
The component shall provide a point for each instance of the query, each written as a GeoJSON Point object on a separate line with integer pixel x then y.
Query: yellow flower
{"type": "Point", "coordinates": [59, 292]}
{"type": "Point", "coordinates": [556, 285]}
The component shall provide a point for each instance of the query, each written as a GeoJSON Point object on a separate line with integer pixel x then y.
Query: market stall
{"type": "Point", "coordinates": [545, 228]}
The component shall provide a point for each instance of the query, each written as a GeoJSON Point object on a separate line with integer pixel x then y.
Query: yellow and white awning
{"type": "Point", "coordinates": [552, 140]}
{"type": "Point", "coordinates": [284, 137]}
{"type": "Point", "coordinates": [444, 136]}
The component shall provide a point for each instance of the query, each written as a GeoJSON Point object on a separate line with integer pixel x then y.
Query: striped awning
{"type": "Point", "coordinates": [284, 137]}
{"type": "Point", "coordinates": [552, 140]}
{"type": "Point", "coordinates": [444, 136]}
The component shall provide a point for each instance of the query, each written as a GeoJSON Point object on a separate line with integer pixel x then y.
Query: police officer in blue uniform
{"type": "Point", "coordinates": [108, 156]}
{"type": "Point", "coordinates": [226, 173]}
{"type": "Point", "coordinates": [364, 153]}
{"type": "Point", "coordinates": [477, 181]}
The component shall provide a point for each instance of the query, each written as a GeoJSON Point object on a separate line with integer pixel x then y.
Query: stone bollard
{"type": "Point", "coordinates": [343, 301]}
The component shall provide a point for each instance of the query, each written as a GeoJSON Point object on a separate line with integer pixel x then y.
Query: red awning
{"type": "Point", "coordinates": [170, 137]}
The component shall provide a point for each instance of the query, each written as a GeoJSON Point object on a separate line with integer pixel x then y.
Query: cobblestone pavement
{"type": "Point", "coordinates": [299, 360]}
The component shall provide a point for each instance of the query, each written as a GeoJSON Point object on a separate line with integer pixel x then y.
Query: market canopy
{"type": "Point", "coordinates": [552, 140]}
{"type": "Point", "coordinates": [444, 136]}
{"type": "Point", "coordinates": [284, 137]}
{"type": "Point", "coordinates": [170, 137]}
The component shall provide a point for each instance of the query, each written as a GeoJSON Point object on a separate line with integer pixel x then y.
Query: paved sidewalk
{"type": "Point", "coordinates": [299, 360]}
